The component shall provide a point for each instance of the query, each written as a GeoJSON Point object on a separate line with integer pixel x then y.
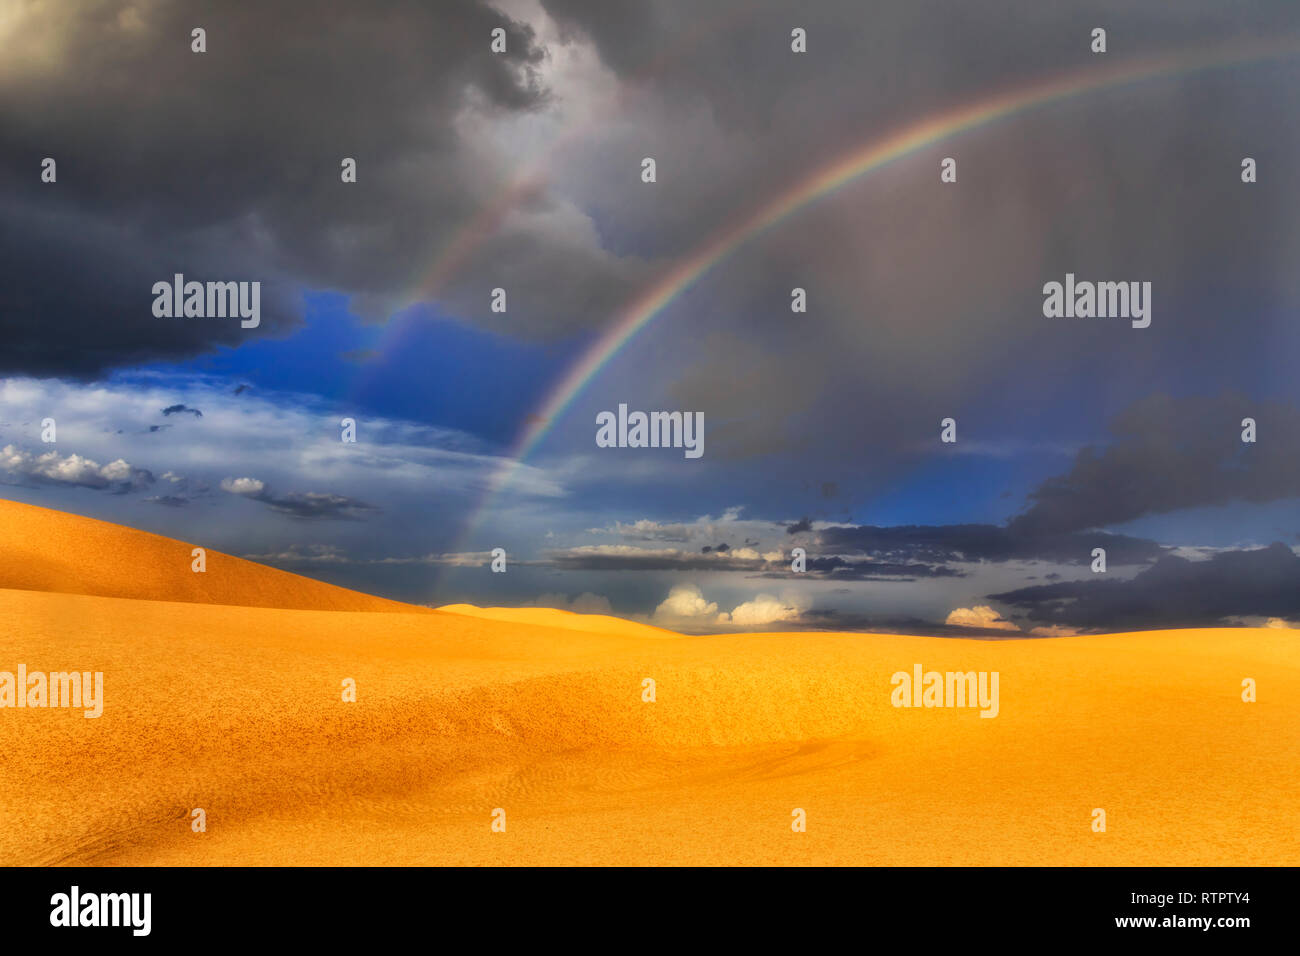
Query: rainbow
{"type": "Point", "coordinates": [856, 163]}
{"type": "Point", "coordinates": [532, 181]}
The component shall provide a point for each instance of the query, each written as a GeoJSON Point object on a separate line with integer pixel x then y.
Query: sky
{"type": "Point", "coordinates": [774, 169]}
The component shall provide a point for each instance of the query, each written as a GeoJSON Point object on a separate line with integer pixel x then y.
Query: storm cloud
{"type": "Point", "coordinates": [1169, 454]}
{"type": "Point", "coordinates": [225, 165]}
{"type": "Point", "coordinates": [982, 542]}
{"type": "Point", "coordinates": [1174, 592]}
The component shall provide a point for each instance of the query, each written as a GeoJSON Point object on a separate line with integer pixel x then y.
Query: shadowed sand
{"type": "Point", "coordinates": [238, 710]}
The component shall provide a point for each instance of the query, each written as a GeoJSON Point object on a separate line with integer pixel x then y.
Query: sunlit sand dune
{"type": "Point", "coordinates": [45, 550]}
{"type": "Point", "coordinates": [550, 617]}
{"type": "Point", "coordinates": [239, 711]}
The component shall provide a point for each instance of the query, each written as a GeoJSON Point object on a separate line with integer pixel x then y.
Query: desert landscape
{"type": "Point", "coordinates": [224, 691]}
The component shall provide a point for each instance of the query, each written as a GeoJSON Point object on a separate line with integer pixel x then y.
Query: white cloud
{"type": "Point", "coordinates": [73, 469]}
{"type": "Point", "coordinates": [243, 486]}
{"type": "Point", "coordinates": [979, 616]}
{"type": "Point", "coordinates": [685, 603]}
{"type": "Point", "coordinates": [705, 529]}
{"type": "Point", "coordinates": [687, 606]}
{"type": "Point", "coordinates": [763, 610]}
{"type": "Point", "coordinates": [296, 437]}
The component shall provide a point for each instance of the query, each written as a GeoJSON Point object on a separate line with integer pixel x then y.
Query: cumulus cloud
{"type": "Point", "coordinates": [51, 467]}
{"type": "Point", "coordinates": [252, 487]}
{"type": "Point", "coordinates": [981, 615]}
{"type": "Point", "coordinates": [687, 608]}
{"type": "Point", "coordinates": [763, 610]}
{"type": "Point", "coordinates": [685, 604]}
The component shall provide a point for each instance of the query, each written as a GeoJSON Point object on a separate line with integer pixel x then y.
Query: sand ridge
{"type": "Point", "coordinates": [566, 620]}
{"type": "Point", "coordinates": [46, 550]}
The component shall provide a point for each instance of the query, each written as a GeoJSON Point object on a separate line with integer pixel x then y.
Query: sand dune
{"type": "Point", "coordinates": [565, 620]}
{"type": "Point", "coordinates": [239, 711]}
{"type": "Point", "coordinates": [45, 550]}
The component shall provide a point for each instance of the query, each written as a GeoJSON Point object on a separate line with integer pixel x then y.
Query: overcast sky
{"type": "Point", "coordinates": [522, 170]}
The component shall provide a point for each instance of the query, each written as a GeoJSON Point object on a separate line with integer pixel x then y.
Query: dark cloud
{"type": "Point", "coordinates": [831, 620]}
{"type": "Point", "coordinates": [803, 524]}
{"type": "Point", "coordinates": [225, 165]}
{"type": "Point", "coordinates": [634, 559]}
{"type": "Point", "coordinates": [844, 570]}
{"type": "Point", "coordinates": [306, 505]}
{"type": "Point", "coordinates": [178, 409]}
{"type": "Point", "coordinates": [718, 559]}
{"type": "Point", "coordinates": [1174, 592]}
{"type": "Point", "coordinates": [318, 505]}
{"type": "Point", "coordinates": [697, 53]}
{"type": "Point", "coordinates": [913, 323]}
{"type": "Point", "coordinates": [981, 542]}
{"type": "Point", "coordinates": [171, 501]}
{"type": "Point", "coordinates": [1169, 454]}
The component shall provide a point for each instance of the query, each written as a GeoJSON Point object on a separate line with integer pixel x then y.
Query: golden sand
{"type": "Point", "coordinates": [549, 617]}
{"type": "Point", "coordinates": [45, 550]}
{"type": "Point", "coordinates": [238, 710]}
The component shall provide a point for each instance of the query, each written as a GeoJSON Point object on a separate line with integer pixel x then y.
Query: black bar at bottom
{"type": "Point", "coordinates": [332, 906]}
